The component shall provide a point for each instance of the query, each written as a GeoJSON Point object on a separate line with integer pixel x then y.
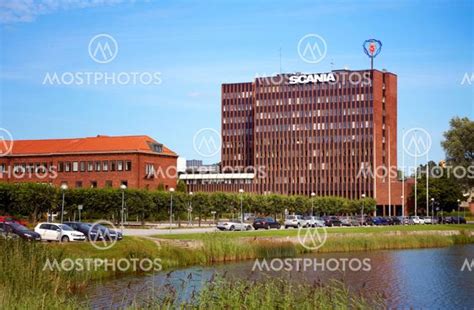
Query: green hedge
{"type": "Point", "coordinates": [34, 200]}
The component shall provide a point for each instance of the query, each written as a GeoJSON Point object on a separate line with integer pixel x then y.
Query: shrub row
{"type": "Point", "coordinates": [34, 200]}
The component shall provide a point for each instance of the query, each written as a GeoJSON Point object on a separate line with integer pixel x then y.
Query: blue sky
{"type": "Point", "coordinates": [198, 45]}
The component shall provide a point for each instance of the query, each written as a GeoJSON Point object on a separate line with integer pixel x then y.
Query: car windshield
{"type": "Point", "coordinates": [65, 227]}
{"type": "Point", "coordinates": [19, 227]}
{"type": "Point", "coordinates": [84, 226]}
{"type": "Point", "coordinates": [291, 217]}
{"type": "Point", "coordinates": [269, 219]}
{"type": "Point", "coordinates": [259, 219]}
{"type": "Point", "coordinates": [308, 217]}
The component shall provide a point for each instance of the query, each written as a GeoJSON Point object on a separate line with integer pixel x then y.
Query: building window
{"type": "Point", "coordinates": [112, 165]}
{"type": "Point", "coordinates": [93, 184]}
{"type": "Point", "coordinates": [82, 166]}
{"type": "Point", "coordinates": [128, 165]}
{"type": "Point", "coordinates": [68, 167]}
{"type": "Point", "coordinates": [97, 166]}
{"type": "Point", "coordinates": [119, 165]}
{"type": "Point", "coordinates": [78, 184]}
{"type": "Point", "coordinates": [60, 166]}
{"type": "Point", "coordinates": [108, 183]}
{"type": "Point", "coordinates": [124, 182]}
{"type": "Point", "coordinates": [105, 166]}
{"type": "Point", "coordinates": [90, 166]}
{"type": "Point", "coordinates": [75, 166]}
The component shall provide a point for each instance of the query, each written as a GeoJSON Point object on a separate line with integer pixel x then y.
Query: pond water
{"type": "Point", "coordinates": [419, 278]}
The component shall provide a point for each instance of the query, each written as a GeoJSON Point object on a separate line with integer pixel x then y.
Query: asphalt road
{"type": "Point", "coordinates": [154, 231]}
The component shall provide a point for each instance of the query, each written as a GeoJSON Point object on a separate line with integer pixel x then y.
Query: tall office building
{"type": "Point", "coordinates": [329, 133]}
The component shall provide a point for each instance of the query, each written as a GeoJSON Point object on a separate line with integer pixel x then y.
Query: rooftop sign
{"type": "Point", "coordinates": [311, 78]}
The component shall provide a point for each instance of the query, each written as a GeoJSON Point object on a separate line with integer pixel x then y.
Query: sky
{"type": "Point", "coordinates": [195, 46]}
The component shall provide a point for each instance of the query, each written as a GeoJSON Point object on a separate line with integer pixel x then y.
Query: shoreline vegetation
{"type": "Point", "coordinates": [25, 284]}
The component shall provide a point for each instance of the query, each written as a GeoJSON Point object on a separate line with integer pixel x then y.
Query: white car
{"type": "Point", "coordinates": [58, 232]}
{"type": "Point", "coordinates": [416, 220]}
{"type": "Point", "coordinates": [314, 221]}
{"type": "Point", "coordinates": [232, 225]}
{"type": "Point", "coordinates": [295, 221]}
{"type": "Point", "coordinates": [427, 220]}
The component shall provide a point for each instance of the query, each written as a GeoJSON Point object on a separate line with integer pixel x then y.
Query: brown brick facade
{"type": "Point", "coordinates": [92, 168]}
{"type": "Point", "coordinates": [315, 136]}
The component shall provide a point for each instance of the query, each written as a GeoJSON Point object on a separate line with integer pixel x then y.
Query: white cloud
{"type": "Point", "coordinates": [17, 11]}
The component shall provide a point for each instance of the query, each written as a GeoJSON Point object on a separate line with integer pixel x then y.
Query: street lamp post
{"type": "Point", "coordinates": [362, 211]}
{"type": "Point", "coordinates": [171, 208]}
{"type": "Point", "coordinates": [123, 187]}
{"type": "Point", "coordinates": [432, 209]}
{"type": "Point", "coordinates": [312, 203]}
{"type": "Point", "coordinates": [459, 205]}
{"type": "Point", "coordinates": [63, 189]}
{"type": "Point", "coordinates": [190, 209]}
{"type": "Point", "coordinates": [241, 191]}
{"type": "Point", "coordinates": [403, 205]}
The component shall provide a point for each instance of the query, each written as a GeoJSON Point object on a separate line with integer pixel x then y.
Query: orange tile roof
{"type": "Point", "coordinates": [99, 144]}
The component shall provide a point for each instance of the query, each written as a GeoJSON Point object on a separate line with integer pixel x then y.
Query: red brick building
{"type": "Point", "coordinates": [330, 133]}
{"type": "Point", "coordinates": [102, 161]}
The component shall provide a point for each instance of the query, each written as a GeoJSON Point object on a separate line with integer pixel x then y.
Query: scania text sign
{"type": "Point", "coordinates": [311, 78]}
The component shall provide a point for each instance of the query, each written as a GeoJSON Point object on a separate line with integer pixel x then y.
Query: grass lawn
{"type": "Point", "coordinates": [294, 232]}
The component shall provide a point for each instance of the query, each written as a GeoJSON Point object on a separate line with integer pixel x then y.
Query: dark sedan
{"type": "Point", "coordinates": [107, 233]}
{"type": "Point", "coordinates": [332, 221]}
{"type": "Point", "coordinates": [21, 231]}
{"type": "Point", "coordinates": [86, 229]}
{"type": "Point", "coordinates": [265, 223]}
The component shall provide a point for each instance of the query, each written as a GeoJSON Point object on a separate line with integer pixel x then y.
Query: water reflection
{"type": "Point", "coordinates": [421, 278]}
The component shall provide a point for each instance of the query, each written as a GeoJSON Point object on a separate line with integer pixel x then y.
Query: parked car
{"type": "Point", "coordinates": [265, 223]}
{"type": "Point", "coordinates": [396, 220]}
{"type": "Point", "coordinates": [428, 220]}
{"type": "Point", "coordinates": [105, 232]}
{"type": "Point", "coordinates": [5, 234]}
{"type": "Point", "coordinates": [232, 225]}
{"type": "Point", "coordinates": [317, 221]}
{"type": "Point", "coordinates": [12, 219]}
{"type": "Point", "coordinates": [404, 220]}
{"type": "Point", "coordinates": [87, 230]}
{"type": "Point", "coordinates": [458, 220]}
{"type": "Point", "coordinates": [21, 231]}
{"type": "Point", "coordinates": [446, 220]}
{"type": "Point", "coordinates": [332, 221]}
{"type": "Point", "coordinates": [368, 221]}
{"type": "Point", "coordinates": [416, 220]}
{"type": "Point", "coordinates": [58, 232]}
{"type": "Point", "coordinates": [378, 221]}
{"type": "Point", "coordinates": [345, 221]}
{"type": "Point", "coordinates": [295, 221]}
{"type": "Point", "coordinates": [355, 221]}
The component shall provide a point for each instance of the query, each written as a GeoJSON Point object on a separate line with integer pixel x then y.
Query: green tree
{"type": "Point", "coordinates": [443, 188]}
{"type": "Point", "coordinates": [458, 144]}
